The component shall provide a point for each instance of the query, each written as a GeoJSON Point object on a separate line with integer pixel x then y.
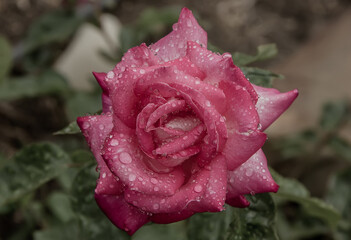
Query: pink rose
{"type": "Point", "coordinates": [181, 131]}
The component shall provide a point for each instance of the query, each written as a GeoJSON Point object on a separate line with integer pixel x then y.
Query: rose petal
{"type": "Point", "coordinates": [173, 45]}
{"type": "Point", "coordinates": [204, 191]}
{"type": "Point", "coordinates": [216, 128]}
{"type": "Point", "coordinates": [272, 103]}
{"type": "Point", "coordinates": [165, 218]}
{"type": "Point", "coordinates": [169, 107]}
{"type": "Point", "coordinates": [171, 75]}
{"type": "Point", "coordinates": [137, 57]}
{"type": "Point", "coordinates": [185, 65]}
{"type": "Point", "coordinates": [182, 142]}
{"type": "Point", "coordinates": [214, 196]}
{"type": "Point", "coordinates": [145, 139]}
{"type": "Point", "coordinates": [96, 129]}
{"type": "Point", "coordinates": [241, 114]}
{"type": "Point", "coordinates": [237, 201]}
{"type": "Point", "coordinates": [241, 146]}
{"type": "Point", "coordinates": [106, 101]}
{"type": "Point", "coordinates": [218, 68]}
{"type": "Point", "coordinates": [242, 121]}
{"type": "Point", "coordinates": [175, 159]}
{"type": "Point", "coordinates": [124, 158]}
{"type": "Point", "coordinates": [251, 177]}
{"type": "Point", "coordinates": [122, 214]}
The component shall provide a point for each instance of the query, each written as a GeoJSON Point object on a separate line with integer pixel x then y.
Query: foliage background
{"type": "Point", "coordinates": [47, 180]}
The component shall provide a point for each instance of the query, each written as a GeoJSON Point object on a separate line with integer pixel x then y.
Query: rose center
{"type": "Point", "coordinates": [169, 132]}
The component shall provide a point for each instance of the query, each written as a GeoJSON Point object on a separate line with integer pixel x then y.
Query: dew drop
{"type": "Point", "coordinates": [125, 158]}
{"type": "Point", "coordinates": [114, 142]}
{"type": "Point", "coordinates": [154, 180]}
{"type": "Point", "coordinates": [249, 172]}
{"type": "Point", "coordinates": [132, 177]}
{"type": "Point", "coordinates": [208, 104]}
{"type": "Point", "coordinates": [110, 74]}
{"type": "Point", "coordinates": [86, 125]}
{"type": "Point", "coordinates": [103, 175]}
{"type": "Point", "coordinates": [156, 206]}
{"type": "Point", "coordinates": [198, 188]}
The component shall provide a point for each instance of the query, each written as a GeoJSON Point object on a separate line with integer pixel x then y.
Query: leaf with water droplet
{"type": "Point", "coordinates": [71, 128]}
{"type": "Point", "coordinates": [30, 168]}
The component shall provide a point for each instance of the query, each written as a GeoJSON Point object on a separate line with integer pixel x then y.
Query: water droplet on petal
{"type": "Point", "coordinates": [110, 74]}
{"type": "Point", "coordinates": [198, 188]}
{"type": "Point", "coordinates": [249, 172]}
{"type": "Point", "coordinates": [125, 158]}
{"type": "Point", "coordinates": [86, 125]}
{"type": "Point", "coordinates": [132, 177]}
{"type": "Point", "coordinates": [114, 142]}
{"type": "Point", "coordinates": [154, 180]}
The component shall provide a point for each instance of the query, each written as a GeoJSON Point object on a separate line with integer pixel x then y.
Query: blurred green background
{"type": "Point", "coordinates": [48, 50]}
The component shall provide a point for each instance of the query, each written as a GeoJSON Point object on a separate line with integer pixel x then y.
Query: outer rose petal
{"type": "Point", "coordinates": [95, 130]}
{"type": "Point", "coordinates": [106, 101]}
{"type": "Point", "coordinates": [218, 68]}
{"type": "Point", "coordinates": [237, 201]}
{"type": "Point", "coordinates": [204, 191]}
{"type": "Point", "coordinates": [271, 104]}
{"type": "Point", "coordinates": [251, 177]}
{"type": "Point", "coordinates": [241, 114]}
{"type": "Point", "coordinates": [173, 45]}
{"type": "Point", "coordinates": [137, 57]}
{"type": "Point", "coordinates": [171, 217]}
{"type": "Point", "coordinates": [172, 75]}
{"type": "Point", "coordinates": [240, 147]}
{"type": "Point", "coordinates": [122, 214]}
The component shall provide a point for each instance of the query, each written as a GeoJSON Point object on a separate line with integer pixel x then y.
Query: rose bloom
{"type": "Point", "coordinates": [180, 132]}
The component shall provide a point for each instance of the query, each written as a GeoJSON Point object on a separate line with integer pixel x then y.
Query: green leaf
{"type": "Point", "coordinates": [5, 58]}
{"type": "Point", "coordinates": [260, 77]}
{"type": "Point", "coordinates": [297, 145]}
{"type": "Point", "coordinates": [82, 103]}
{"type": "Point", "coordinates": [69, 230]}
{"type": "Point", "coordinates": [149, 27]}
{"type": "Point", "coordinates": [71, 128]}
{"type": "Point", "coordinates": [210, 226]}
{"type": "Point", "coordinates": [264, 52]}
{"type": "Point", "coordinates": [341, 147]}
{"type": "Point", "coordinates": [60, 205]}
{"type": "Point", "coordinates": [339, 193]}
{"type": "Point", "coordinates": [292, 190]}
{"type": "Point", "coordinates": [256, 221]}
{"type": "Point", "coordinates": [53, 27]}
{"type": "Point", "coordinates": [30, 168]}
{"type": "Point", "coordinates": [173, 231]}
{"type": "Point", "coordinates": [333, 115]}
{"type": "Point", "coordinates": [48, 82]}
